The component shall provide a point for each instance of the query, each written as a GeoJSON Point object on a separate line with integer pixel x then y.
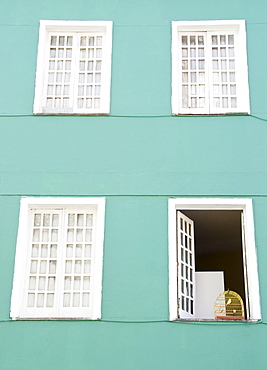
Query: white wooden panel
{"type": "Point", "coordinates": [209, 284]}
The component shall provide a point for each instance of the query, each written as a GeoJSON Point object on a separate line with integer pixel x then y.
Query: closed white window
{"type": "Point", "coordinates": [211, 249]}
{"type": "Point", "coordinates": [73, 67]}
{"type": "Point", "coordinates": [209, 68]}
{"type": "Point", "coordinates": [58, 268]}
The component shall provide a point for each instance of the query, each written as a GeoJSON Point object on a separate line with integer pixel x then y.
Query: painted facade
{"type": "Point", "coordinates": [137, 157]}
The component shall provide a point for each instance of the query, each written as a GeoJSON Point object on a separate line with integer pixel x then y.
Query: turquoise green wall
{"type": "Point", "coordinates": [137, 163]}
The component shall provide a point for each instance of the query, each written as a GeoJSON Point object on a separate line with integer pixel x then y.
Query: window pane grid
{"type": "Point", "coordinates": [186, 264]}
{"type": "Point", "coordinates": [60, 66]}
{"type": "Point", "coordinates": [89, 71]}
{"type": "Point", "coordinates": [77, 265]}
{"type": "Point", "coordinates": [43, 259]}
{"type": "Point", "coordinates": [223, 65]}
{"type": "Point", "coordinates": [208, 72]}
{"type": "Point", "coordinates": [193, 52]}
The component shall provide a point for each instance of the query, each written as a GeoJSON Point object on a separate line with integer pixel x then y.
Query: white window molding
{"type": "Point", "coordinates": [73, 71]}
{"type": "Point", "coordinates": [209, 67]}
{"type": "Point", "coordinates": [59, 258]}
{"type": "Point", "coordinates": [251, 283]}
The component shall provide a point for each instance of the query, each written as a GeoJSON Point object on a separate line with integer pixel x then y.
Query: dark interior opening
{"type": "Point", "coordinates": [218, 245]}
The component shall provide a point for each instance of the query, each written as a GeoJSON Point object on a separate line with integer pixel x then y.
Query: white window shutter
{"type": "Point", "coordinates": [78, 267]}
{"type": "Point", "coordinates": [193, 72]}
{"type": "Point", "coordinates": [59, 77]}
{"type": "Point", "coordinates": [185, 266]}
{"type": "Point", "coordinates": [89, 70]}
{"type": "Point", "coordinates": [223, 74]}
{"type": "Point", "coordinates": [42, 269]}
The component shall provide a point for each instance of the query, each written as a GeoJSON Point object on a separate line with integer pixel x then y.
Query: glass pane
{"type": "Point", "coordinates": [50, 300]}
{"type": "Point", "coordinates": [52, 267]}
{"type": "Point", "coordinates": [184, 64]}
{"type": "Point", "coordinates": [80, 221]}
{"type": "Point", "coordinates": [87, 267]}
{"type": "Point", "coordinates": [53, 251]}
{"type": "Point", "coordinates": [192, 52]}
{"type": "Point", "coordinates": [55, 220]}
{"type": "Point", "coordinates": [214, 40]}
{"type": "Point", "coordinates": [192, 40]}
{"type": "Point", "coordinates": [85, 300]}
{"type": "Point", "coordinates": [86, 283]}
{"type": "Point", "coordinates": [32, 283]}
{"type": "Point", "coordinates": [193, 64]}
{"type": "Point", "coordinates": [216, 89]}
{"type": "Point", "coordinates": [233, 103]}
{"type": "Point", "coordinates": [69, 250]}
{"type": "Point", "coordinates": [69, 40]}
{"type": "Point", "coordinates": [60, 53]}
{"type": "Point", "coordinates": [36, 235]}
{"type": "Point", "coordinates": [35, 250]}
{"type": "Point", "coordinates": [78, 267]}
{"type": "Point", "coordinates": [61, 41]}
{"type": "Point", "coordinates": [45, 235]}
{"type": "Point", "coordinates": [79, 235]}
{"type": "Point", "coordinates": [76, 299]}
{"type": "Point", "coordinates": [78, 251]}
{"type": "Point", "coordinates": [91, 41]}
{"type": "Point", "coordinates": [30, 301]}
{"type": "Point", "coordinates": [44, 250]}
{"type": "Point", "coordinates": [37, 220]}
{"type": "Point", "coordinates": [68, 267]}
{"type": "Point", "coordinates": [184, 52]}
{"type": "Point", "coordinates": [231, 52]}
{"type": "Point", "coordinates": [43, 265]}
{"type": "Point", "coordinates": [88, 235]}
{"type": "Point", "coordinates": [40, 300]}
{"type": "Point", "coordinates": [225, 102]}
{"type": "Point", "coordinates": [33, 269]}
{"type": "Point", "coordinates": [77, 283]}
{"type": "Point", "coordinates": [99, 40]}
{"type": "Point", "coordinates": [67, 283]}
{"type": "Point", "coordinates": [184, 40]}
{"type": "Point", "coordinates": [51, 283]}
{"type": "Point", "coordinates": [222, 39]}
{"type": "Point", "coordinates": [200, 40]}
{"type": "Point", "coordinates": [41, 283]}
{"type": "Point", "coordinates": [53, 40]}
{"type": "Point", "coordinates": [215, 52]}
{"type": "Point", "coordinates": [231, 39]}
{"type": "Point", "coordinates": [70, 235]}
{"type": "Point", "coordinates": [89, 220]}
{"type": "Point", "coordinates": [184, 77]}
{"type": "Point", "coordinates": [66, 300]}
{"type": "Point", "coordinates": [87, 250]}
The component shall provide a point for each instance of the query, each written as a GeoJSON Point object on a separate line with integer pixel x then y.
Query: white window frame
{"type": "Point", "coordinates": [236, 26]}
{"type": "Point", "coordinates": [252, 282]}
{"type": "Point", "coordinates": [20, 281]}
{"type": "Point", "coordinates": [88, 27]}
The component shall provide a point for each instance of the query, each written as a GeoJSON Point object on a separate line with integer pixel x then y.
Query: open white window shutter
{"type": "Point", "coordinates": [185, 266]}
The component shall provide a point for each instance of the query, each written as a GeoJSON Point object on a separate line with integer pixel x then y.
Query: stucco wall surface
{"type": "Point", "coordinates": [137, 158]}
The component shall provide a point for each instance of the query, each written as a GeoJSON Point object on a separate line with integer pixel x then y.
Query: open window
{"type": "Point", "coordinates": [211, 249]}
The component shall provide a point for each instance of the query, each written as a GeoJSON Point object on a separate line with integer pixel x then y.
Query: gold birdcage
{"type": "Point", "coordinates": [229, 306]}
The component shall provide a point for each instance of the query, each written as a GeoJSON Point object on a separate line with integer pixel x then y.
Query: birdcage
{"type": "Point", "coordinates": [229, 306]}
